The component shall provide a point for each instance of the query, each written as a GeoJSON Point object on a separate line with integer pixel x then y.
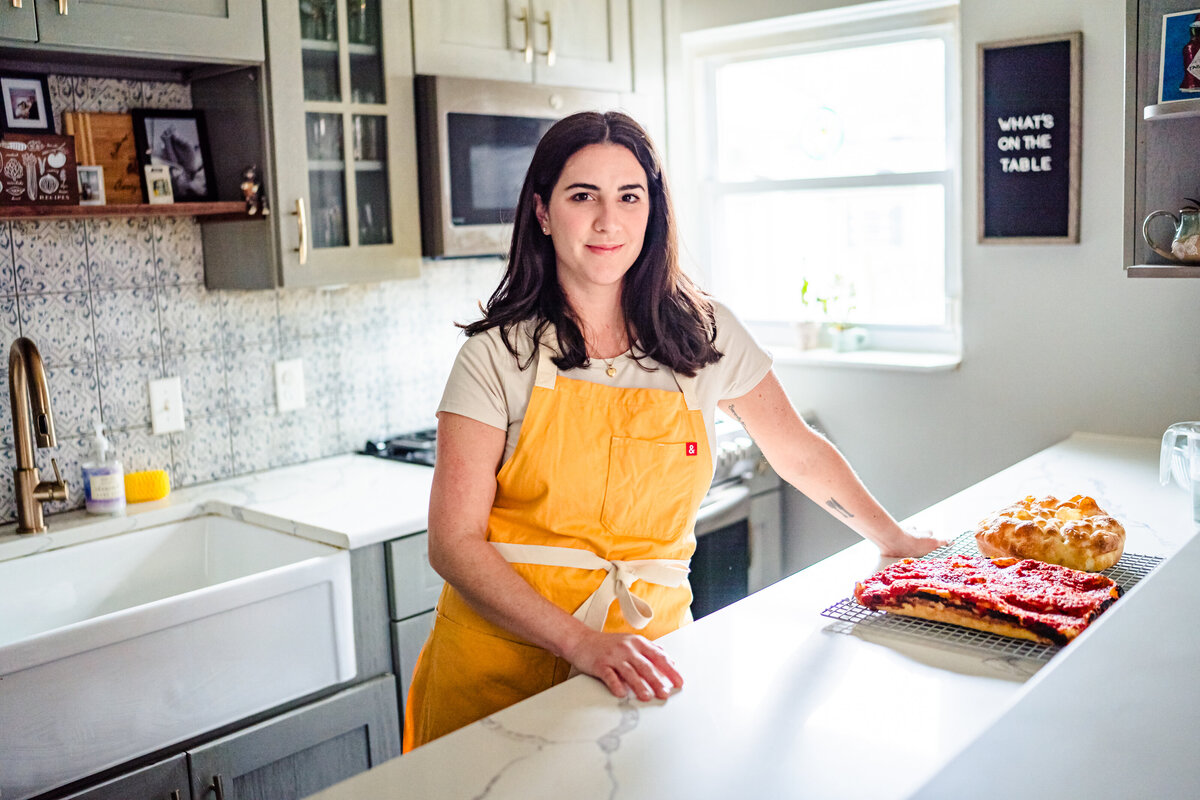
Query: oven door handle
{"type": "Point", "coordinates": [731, 505]}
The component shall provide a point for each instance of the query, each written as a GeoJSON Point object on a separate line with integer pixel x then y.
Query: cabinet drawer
{"type": "Point", "coordinates": [413, 586]}
{"type": "Point", "coordinates": [408, 637]}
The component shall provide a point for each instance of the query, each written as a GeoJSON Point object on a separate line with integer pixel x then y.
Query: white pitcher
{"type": "Point", "coordinates": [1180, 459]}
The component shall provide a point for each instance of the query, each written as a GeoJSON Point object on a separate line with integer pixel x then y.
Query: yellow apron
{"type": "Point", "coordinates": [597, 504]}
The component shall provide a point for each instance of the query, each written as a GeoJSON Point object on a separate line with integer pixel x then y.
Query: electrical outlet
{"type": "Point", "coordinates": [289, 384]}
{"type": "Point", "coordinates": [166, 405]}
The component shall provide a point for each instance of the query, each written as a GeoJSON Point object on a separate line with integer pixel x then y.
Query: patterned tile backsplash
{"type": "Point", "coordinates": [112, 303]}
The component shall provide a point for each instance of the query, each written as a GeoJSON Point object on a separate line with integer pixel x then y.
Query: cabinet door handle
{"type": "Point", "coordinates": [302, 227]}
{"type": "Point", "coordinates": [62, 7]}
{"type": "Point", "coordinates": [525, 18]}
{"type": "Point", "coordinates": [16, 3]}
{"type": "Point", "coordinates": [175, 795]}
{"type": "Point", "coordinates": [218, 786]}
{"type": "Point", "coordinates": [549, 40]}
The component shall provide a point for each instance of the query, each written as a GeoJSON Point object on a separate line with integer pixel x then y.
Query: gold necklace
{"type": "Point", "coordinates": [608, 362]}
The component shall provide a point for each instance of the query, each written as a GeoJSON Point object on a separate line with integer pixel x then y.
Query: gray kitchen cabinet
{"type": "Point", "coordinates": [303, 751]}
{"type": "Point", "coordinates": [1162, 163]}
{"type": "Point", "coordinates": [18, 24]}
{"type": "Point", "coordinates": [164, 780]}
{"type": "Point", "coordinates": [172, 30]}
{"type": "Point", "coordinates": [578, 43]}
{"type": "Point", "coordinates": [413, 590]}
{"type": "Point", "coordinates": [341, 174]}
{"type": "Point", "coordinates": [408, 637]}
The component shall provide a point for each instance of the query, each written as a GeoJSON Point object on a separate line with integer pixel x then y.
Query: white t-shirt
{"type": "Point", "coordinates": [487, 383]}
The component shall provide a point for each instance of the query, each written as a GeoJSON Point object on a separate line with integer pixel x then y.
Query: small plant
{"type": "Point", "coordinates": [835, 304]}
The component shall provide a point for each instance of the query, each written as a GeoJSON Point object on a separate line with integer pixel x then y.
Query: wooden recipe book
{"type": "Point", "coordinates": [106, 140]}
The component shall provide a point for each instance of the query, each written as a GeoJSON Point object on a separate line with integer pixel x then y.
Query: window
{"type": "Point", "coordinates": [829, 171]}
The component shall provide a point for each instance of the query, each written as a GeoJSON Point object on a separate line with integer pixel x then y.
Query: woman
{"type": "Point", "coordinates": [574, 443]}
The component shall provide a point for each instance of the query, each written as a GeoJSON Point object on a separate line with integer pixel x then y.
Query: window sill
{"type": "Point", "coordinates": [868, 359]}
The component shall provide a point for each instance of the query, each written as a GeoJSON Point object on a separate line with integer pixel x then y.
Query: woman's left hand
{"type": "Point", "coordinates": [912, 544]}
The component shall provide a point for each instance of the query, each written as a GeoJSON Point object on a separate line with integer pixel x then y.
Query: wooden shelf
{"type": "Point", "coordinates": [1162, 271]}
{"type": "Point", "coordinates": [1176, 109]}
{"type": "Point", "coordinates": [233, 209]}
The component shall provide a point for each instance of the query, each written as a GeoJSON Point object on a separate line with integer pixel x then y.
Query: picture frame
{"type": "Point", "coordinates": [1179, 59]}
{"type": "Point", "coordinates": [91, 185]}
{"type": "Point", "coordinates": [1029, 148]}
{"type": "Point", "coordinates": [38, 169]}
{"type": "Point", "coordinates": [178, 140]}
{"type": "Point", "coordinates": [159, 189]}
{"type": "Point", "coordinates": [25, 99]}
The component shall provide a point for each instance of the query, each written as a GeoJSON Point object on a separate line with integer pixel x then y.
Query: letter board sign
{"type": "Point", "coordinates": [1029, 137]}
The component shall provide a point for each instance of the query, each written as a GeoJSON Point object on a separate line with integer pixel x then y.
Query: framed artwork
{"type": "Point", "coordinates": [26, 101]}
{"type": "Point", "coordinates": [1179, 64]}
{"type": "Point", "coordinates": [38, 169]}
{"type": "Point", "coordinates": [91, 185]}
{"type": "Point", "coordinates": [178, 141]}
{"type": "Point", "coordinates": [158, 184]}
{"type": "Point", "coordinates": [1029, 140]}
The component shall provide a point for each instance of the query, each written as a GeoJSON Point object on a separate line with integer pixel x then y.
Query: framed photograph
{"type": "Point", "coordinates": [1179, 63]}
{"type": "Point", "coordinates": [91, 185]}
{"type": "Point", "coordinates": [178, 141]}
{"type": "Point", "coordinates": [26, 100]}
{"type": "Point", "coordinates": [1030, 128]}
{"type": "Point", "coordinates": [158, 184]}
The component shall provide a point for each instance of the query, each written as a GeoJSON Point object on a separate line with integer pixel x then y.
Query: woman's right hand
{"type": "Point", "coordinates": [626, 662]}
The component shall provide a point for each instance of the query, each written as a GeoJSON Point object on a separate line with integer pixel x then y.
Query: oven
{"type": "Point", "coordinates": [739, 528]}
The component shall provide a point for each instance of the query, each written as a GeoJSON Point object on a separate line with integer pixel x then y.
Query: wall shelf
{"type": "Point", "coordinates": [1162, 271]}
{"type": "Point", "coordinates": [1176, 109]}
{"type": "Point", "coordinates": [1162, 162]}
{"type": "Point", "coordinates": [224, 210]}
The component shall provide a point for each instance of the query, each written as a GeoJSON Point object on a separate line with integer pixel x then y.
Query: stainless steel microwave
{"type": "Point", "coordinates": [475, 139]}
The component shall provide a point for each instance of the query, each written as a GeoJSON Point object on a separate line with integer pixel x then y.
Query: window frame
{"type": "Point", "coordinates": [704, 52]}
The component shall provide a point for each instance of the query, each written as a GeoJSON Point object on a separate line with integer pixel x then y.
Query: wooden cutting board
{"type": "Point", "coordinates": [106, 140]}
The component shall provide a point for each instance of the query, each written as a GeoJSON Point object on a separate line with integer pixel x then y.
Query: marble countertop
{"type": "Point", "coordinates": [347, 501]}
{"type": "Point", "coordinates": [776, 705]}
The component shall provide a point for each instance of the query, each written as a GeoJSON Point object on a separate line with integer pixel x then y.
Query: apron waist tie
{"type": "Point", "coordinates": [670, 572]}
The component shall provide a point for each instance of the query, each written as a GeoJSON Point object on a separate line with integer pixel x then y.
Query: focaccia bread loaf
{"type": "Point", "coordinates": [1025, 599]}
{"type": "Point", "coordinates": [1075, 533]}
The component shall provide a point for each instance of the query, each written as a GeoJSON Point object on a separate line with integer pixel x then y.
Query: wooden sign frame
{"type": "Point", "coordinates": [1029, 99]}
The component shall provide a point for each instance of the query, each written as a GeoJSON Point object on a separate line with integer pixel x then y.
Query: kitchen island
{"type": "Point", "coordinates": [776, 704]}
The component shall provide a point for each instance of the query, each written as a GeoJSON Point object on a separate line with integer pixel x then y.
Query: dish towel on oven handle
{"type": "Point", "coordinates": [670, 572]}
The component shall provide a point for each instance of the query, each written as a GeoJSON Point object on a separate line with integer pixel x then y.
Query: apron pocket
{"type": "Point", "coordinates": [651, 488]}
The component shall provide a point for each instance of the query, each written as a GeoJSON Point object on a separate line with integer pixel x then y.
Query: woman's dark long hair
{"type": "Point", "coordinates": [667, 317]}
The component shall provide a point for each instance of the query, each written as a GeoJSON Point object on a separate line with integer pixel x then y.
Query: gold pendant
{"type": "Point", "coordinates": [611, 371]}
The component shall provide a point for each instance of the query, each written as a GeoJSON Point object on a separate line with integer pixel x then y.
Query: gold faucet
{"type": "Point", "coordinates": [27, 393]}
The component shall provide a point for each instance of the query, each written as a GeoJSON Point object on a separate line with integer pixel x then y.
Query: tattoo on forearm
{"type": "Point", "coordinates": [734, 414]}
{"type": "Point", "coordinates": [838, 508]}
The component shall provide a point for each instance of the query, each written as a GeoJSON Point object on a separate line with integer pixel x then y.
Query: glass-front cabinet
{"type": "Point", "coordinates": [340, 79]}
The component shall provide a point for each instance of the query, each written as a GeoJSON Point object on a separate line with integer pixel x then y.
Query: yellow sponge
{"type": "Point", "coordinates": [141, 487]}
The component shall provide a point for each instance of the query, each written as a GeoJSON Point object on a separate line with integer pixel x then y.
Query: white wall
{"type": "Point", "coordinates": [1056, 338]}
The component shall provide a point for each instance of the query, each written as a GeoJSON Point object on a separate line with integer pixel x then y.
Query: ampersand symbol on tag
{"type": "Point", "coordinates": [692, 449]}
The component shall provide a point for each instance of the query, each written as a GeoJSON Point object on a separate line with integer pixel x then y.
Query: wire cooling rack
{"type": "Point", "coordinates": [849, 616]}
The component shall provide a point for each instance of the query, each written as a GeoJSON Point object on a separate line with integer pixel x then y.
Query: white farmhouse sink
{"type": "Point", "coordinates": [116, 647]}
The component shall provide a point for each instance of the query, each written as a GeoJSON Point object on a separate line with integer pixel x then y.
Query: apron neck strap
{"type": "Point", "coordinates": [547, 371]}
{"type": "Point", "coordinates": [688, 387]}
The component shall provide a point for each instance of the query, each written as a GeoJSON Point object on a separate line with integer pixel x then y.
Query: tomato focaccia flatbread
{"type": "Point", "coordinates": [1025, 599]}
{"type": "Point", "coordinates": [1076, 533]}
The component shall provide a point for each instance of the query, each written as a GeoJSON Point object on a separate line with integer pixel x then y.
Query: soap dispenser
{"type": "Point", "coordinates": [103, 478]}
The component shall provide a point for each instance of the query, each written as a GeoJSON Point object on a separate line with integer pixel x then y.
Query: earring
{"type": "Point", "coordinates": [546, 230]}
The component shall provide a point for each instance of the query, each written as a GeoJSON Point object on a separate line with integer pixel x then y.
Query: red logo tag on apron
{"type": "Point", "coordinates": [692, 448]}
